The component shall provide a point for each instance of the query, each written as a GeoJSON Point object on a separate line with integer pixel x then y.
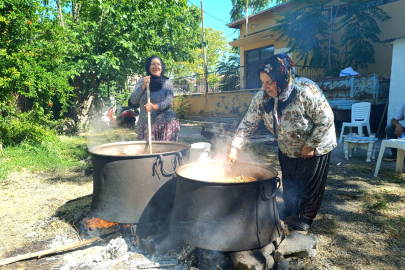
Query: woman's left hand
{"type": "Point", "coordinates": [307, 152]}
{"type": "Point", "coordinates": [151, 107]}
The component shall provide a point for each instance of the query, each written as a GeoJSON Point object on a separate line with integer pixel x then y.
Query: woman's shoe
{"type": "Point", "coordinates": [302, 225]}
{"type": "Point", "coordinates": [287, 215]}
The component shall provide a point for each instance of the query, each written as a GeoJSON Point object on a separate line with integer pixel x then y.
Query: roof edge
{"type": "Point", "coordinates": [240, 21]}
{"type": "Point", "coordinates": [391, 39]}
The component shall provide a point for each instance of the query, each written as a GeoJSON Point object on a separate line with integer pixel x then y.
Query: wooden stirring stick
{"type": "Point", "coordinates": [149, 123]}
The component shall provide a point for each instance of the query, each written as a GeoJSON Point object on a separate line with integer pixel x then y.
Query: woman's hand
{"type": "Point", "coordinates": [307, 152]}
{"type": "Point", "coordinates": [233, 155]}
{"type": "Point", "coordinates": [151, 107]}
{"type": "Point", "coordinates": [146, 80]}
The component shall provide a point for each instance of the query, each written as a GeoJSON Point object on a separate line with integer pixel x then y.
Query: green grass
{"type": "Point", "coordinates": [61, 155]}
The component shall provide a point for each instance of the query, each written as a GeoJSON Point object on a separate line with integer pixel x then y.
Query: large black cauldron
{"type": "Point", "coordinates": [226, 216]}
{"type": "Point", "coordinates": [132, 186]}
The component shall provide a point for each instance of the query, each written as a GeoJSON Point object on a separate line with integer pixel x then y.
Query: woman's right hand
{"type": "Point", "coordinates": [146, 80]}
{"type": "Point", "coordinates": [233, 155]}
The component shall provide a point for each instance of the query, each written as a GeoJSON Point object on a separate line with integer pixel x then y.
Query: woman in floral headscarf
{"type": "Point", "coordinates": [164, 124]}
{"type": "Point", "coordinates": [295, 110]}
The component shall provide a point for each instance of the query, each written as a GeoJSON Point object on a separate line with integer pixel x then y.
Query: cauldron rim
{"type": "Point", "coordinates": [95, 148]}
{"type": "Point", "coordinates": [227, 183]}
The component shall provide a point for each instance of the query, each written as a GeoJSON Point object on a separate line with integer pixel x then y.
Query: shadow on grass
{"type": "Point", "coordinates": [77, 177]}
{"type": "Point", "coordinates": [72, 211]}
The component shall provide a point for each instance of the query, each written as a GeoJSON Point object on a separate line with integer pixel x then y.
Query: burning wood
{"type": "Point", "coordinates": [93, 227]}
{"type": "Point", "coordinates": [127, 225]}
{"type": "Point", "coordinates": [97, 223]}
{"type": "Point", "coordinates": [186, 252]}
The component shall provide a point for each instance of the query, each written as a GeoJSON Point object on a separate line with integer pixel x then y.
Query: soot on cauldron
{"type": "Point", "coordinates": [132, 186]}
{"type": "Point", "coordinates": [226, 216]}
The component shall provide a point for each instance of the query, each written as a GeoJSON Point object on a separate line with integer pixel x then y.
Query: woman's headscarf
{"type": "Point", "coordinates": [280, 69]}
{"type": "Point", "coordinates": [156, 82]}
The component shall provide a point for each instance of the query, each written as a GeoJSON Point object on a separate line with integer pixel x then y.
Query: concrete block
{"type": "Point", "coordinates": [297, 245]}
{"type": "Point", "coordinates": [267, 252]}
{"type": "Point", "coordinates": [248, 260]}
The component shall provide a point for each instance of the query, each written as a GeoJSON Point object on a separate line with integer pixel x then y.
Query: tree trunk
{"type": "Point", "coordinates": [60, 13]}
{"type": "Point", "coordinates": [330, 35]}
{"type": "Point", "coordinates": [84, 101]}
{"type": "Point", "coordinates": [332, 24]}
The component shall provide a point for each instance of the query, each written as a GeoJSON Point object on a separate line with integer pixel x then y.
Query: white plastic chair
{"type": "Point", "coordinates": [393, 143]}
{"type": "Point", "coordinates": [360, 118]}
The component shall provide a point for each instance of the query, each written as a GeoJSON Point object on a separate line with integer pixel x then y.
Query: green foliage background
{"type": "Point", "coordinates": [55, 54]}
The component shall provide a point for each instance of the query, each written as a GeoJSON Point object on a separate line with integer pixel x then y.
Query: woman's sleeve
{"type": "Point", "coordinates": [167, 103]}
{"type": "Point", "coordinates": [138, 92]}
{"type": "Point", "coordinates": [318, 109]}
{"type": "Point", "coordinates": [250, 121]}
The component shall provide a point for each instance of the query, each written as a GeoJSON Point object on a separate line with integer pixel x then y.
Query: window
{"type": "Point", "coordinates": [253, 59]}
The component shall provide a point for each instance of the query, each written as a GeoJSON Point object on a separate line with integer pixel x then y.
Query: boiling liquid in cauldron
{"type": "Point", "coordinates": [236, 179]}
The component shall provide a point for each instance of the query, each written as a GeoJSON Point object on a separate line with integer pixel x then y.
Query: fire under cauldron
{"type": "Point", "coordinates": [132, 186]}
{"type": "Point", "coordinates": [226, 216]}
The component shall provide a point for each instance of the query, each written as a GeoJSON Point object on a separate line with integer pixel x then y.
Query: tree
{"type": "Point", "coordinates": [116, 37]}
{"type": "Point", "coordinates": [239, 7]}
{"type": "Point", "coordinates": [61, 51]}
{"type": "Point", "coordinates": [113, 38]}
{"type": "Point", "coordinates": [216, 47]}
{"type": "Point", "coordinates": [308, 29]}
{"type": "Point", "coordinates": [33, 47]}
{"type": "Point", "coordinates": [229, 71]}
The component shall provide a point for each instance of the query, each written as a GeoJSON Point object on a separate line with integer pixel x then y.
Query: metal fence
{"type": "Point", "coordinates": [241, 78]}
{"type": "Point", "coordinates": [310, 73]}
{"type": "Point", "coordinates": [228, 80]}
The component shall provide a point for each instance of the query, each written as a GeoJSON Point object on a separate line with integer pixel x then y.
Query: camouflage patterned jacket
{"type": "Point", "coordinates": [308, 119]}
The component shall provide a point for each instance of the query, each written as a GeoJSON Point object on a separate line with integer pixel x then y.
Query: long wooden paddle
{"type": "Point", "coordinates": [149, 123]}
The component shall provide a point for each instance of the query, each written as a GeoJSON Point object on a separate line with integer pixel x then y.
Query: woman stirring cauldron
{"type": "Point", "coordinates": [164, 124]}
{"type": "Point", "coordinates": [296, 111]}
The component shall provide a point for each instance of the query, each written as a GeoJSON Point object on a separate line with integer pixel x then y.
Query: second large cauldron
{"type": "Point", "coordinates": [132, 186]}
{"type": "Point", "coordinates": [226, 216]}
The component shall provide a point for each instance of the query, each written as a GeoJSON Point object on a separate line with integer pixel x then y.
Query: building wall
{"type": "Point", "coordinates": [397, 87]}
{"type": "Point", "coordinates": [393, 28]}
{"type": "Point", "coordinates": [390, 29]}
{"type": "Point", "coordinates": [226, 104]}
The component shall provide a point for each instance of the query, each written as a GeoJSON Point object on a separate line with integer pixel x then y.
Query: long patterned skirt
{"type": "Point", "coordinates": [160, 132]}
{"type": "Point", "coordinates": [304, 183]}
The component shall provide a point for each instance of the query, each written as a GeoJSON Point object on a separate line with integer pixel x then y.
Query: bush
{"type": "Point", "coordinates": [26, 127]}
{"type": "Point", "coordinates": [181, 105]}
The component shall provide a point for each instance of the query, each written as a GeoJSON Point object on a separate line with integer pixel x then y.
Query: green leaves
{"type": "Point", "coordinates": [216, 46]}
{"type": "Point", "coordinates": [239, 7]}
{"type": "Point", "coordinates": [32, 56]}
{"type": "Point", "coordinates": [99, 41]}
{"type": "Point", "coordinates": [308, 29]}
{"type": "Point", "coordinates": [131, 31]}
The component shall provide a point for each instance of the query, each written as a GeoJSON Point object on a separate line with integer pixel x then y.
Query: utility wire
{"type": "Point", "coordinates": [209, 14]}
{"type": "Point", "coordinates": [232, 33]}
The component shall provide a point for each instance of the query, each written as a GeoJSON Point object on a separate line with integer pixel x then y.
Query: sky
{"type": "Point", "coordinates": [219, 9]}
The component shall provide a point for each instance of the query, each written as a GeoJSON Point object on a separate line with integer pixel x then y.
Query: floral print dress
{"type": "Point", "coordinates": [308, 119]}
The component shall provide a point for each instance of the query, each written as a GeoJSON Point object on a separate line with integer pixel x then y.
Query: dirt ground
{"type": "Point", "coordinates": [361, 224]}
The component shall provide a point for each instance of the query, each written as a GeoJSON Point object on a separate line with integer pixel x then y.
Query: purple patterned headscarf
{"type": "Point", "coordinates": [280, 69]}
